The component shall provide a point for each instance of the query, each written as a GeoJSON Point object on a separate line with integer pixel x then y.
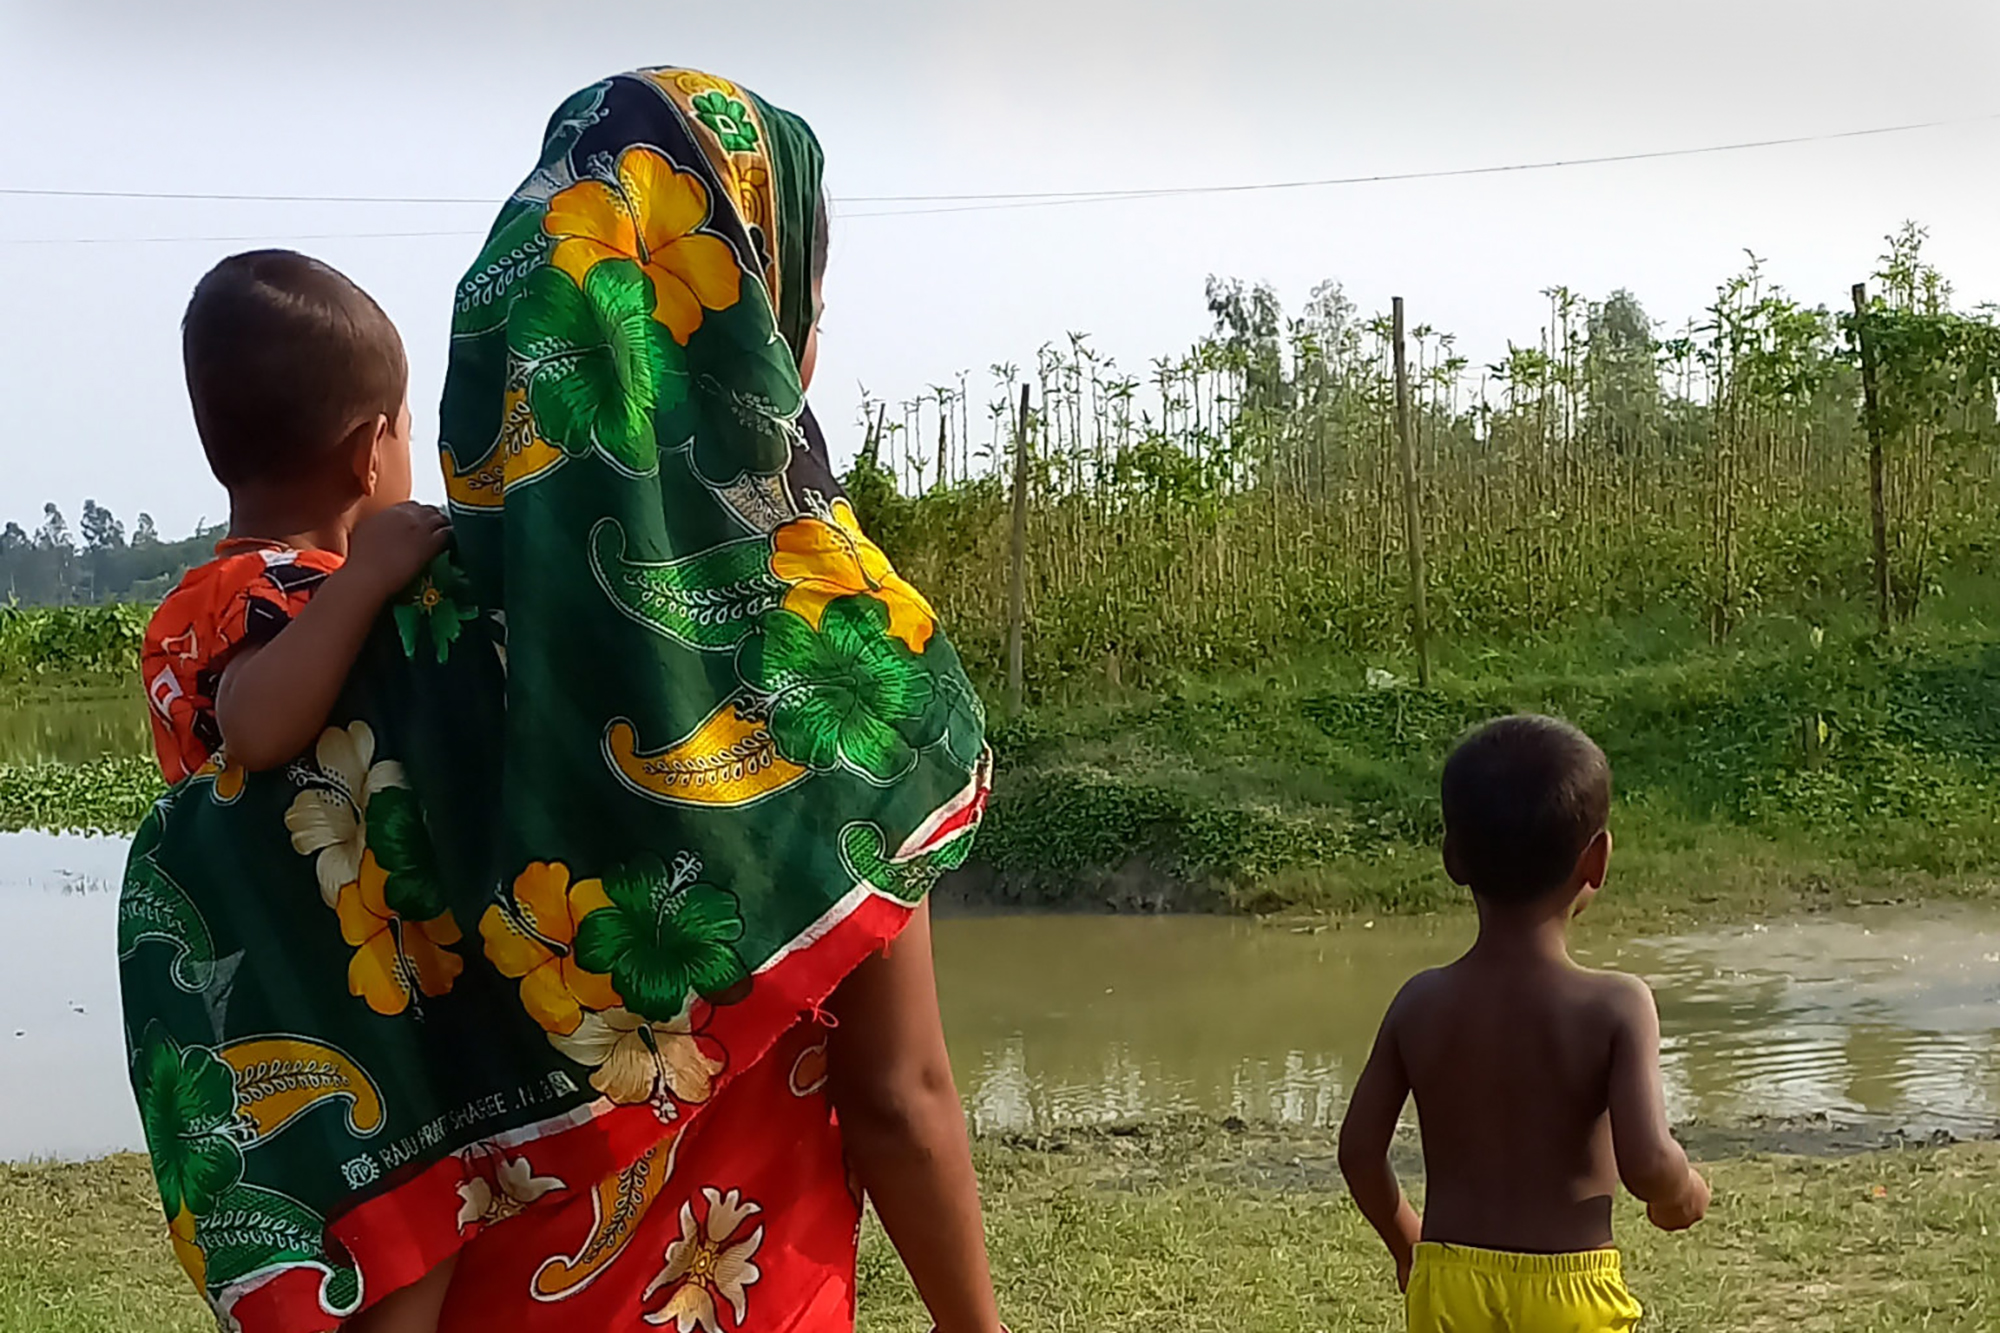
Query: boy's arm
{"type": "Point", "coordinates": [1365, 1135]}
{"type": "Point", "coordinates": [904, 1127]}
{"type": "Point", "coordinates": [1650, 1162]}
{"type": "Point", "coordinates": [274, 698]}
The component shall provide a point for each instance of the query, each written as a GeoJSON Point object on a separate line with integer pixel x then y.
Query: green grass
{"type": "Point", "coordinates": [1195, 1228]}
{"type": "Point", "coordinates": [1768, 777]}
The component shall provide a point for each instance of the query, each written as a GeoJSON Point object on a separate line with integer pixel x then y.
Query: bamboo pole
{"type": "Point", "coordinates": [1877, 508]}
{"type": "Point", "coordinates": [1017, 561]}
{"type": "Point", "coordinates": [1413, 523]}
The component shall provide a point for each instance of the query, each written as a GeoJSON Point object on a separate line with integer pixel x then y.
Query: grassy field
{"type": "Point", "coordinates": [1197, 1228]}
{"type": "Point", "coordinates": [1789, 771]}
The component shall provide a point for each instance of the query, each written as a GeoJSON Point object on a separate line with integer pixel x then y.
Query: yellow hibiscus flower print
{"type": "Point", "coordinates": [535, 942]}
{"type": "Point", "coordinates": [394, 960]}
{"type": "Point", "coordinates": [649, 215]}
{"type": "Point", "coordinates": [229, 778]}
{"type": "Point", "coordinates": [828, 558]}
{"type": "Point", "coordinates": [193, 1261]}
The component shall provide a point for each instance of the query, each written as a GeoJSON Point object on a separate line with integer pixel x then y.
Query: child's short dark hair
{"type": "Point", "coordinates": [1523, 797]}
{"type": "Point", "coordinates": [285, 356]}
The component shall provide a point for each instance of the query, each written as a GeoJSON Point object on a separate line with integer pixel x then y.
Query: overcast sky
{"type": "Point", "coordinates": [403, 97]}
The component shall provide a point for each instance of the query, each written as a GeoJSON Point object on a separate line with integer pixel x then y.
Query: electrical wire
{"type": "Point", "coordinates": [951, 203]}
{"type": "Point", "coordinates": [232, 240]}
{"type": "Point", "coordinates": [1058, 199]}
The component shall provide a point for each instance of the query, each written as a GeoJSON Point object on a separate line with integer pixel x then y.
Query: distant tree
{"type": "Point", "coordinates": [53, 535]}
{"type": "Point", "coordinates": [1621, 372]}
{"type": "Point", "coordinates": [101, 529]}
{"type": "Point", "coordinates": [144, 532]}
{"type": "Point", "coordinates": [1248, 324]}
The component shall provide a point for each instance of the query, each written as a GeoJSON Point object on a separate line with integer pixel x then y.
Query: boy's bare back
{"type": "Point", "coordinates": [1525, 1072]}
{"type": "Point", "coordinates": [1537, 1082]}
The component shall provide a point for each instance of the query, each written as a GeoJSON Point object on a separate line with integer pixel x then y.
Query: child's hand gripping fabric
{"type": "Point", "coordinates": [274, 698]}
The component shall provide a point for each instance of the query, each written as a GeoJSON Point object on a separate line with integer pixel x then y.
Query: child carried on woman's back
{"type": "Point", "coordinates": [300, 392]}
{"type": "Point", "coordinates": [1537, 1081]}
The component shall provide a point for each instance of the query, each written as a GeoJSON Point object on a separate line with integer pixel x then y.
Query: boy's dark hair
{"type": "Point", "coordinates": [285, 356]}
{"type": "Point", "coordinates": [1523, 797]}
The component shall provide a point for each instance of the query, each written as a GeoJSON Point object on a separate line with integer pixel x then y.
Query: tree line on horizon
{"type": "Point", "coordinates": [97, 561]}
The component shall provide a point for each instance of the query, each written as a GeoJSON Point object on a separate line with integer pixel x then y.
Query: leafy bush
{"type": "Point", "coordinates": [109, 796]}
{"type": "Point", "coordinates": [66, 642]}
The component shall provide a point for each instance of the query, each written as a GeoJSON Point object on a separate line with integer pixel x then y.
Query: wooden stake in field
{"type": "Point", "coordinates": [1017, 570]}
{"type": "Point", "coordinates": [1413, 520]}
{"type": "Point", "coordinates": [1878, 512]}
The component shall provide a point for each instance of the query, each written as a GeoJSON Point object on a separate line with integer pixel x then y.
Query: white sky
{"type": "Point", "coordinates": [937, 96]}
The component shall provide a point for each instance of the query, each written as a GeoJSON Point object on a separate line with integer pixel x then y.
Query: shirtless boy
{"type": "Point", "coordinates": [1537, 1081]}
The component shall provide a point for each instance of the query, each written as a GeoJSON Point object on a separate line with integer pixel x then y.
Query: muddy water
{"type": "Point", "coordinates": [1886, 1019]}
{"type": "Point", "coordinates": [1881, 1019]}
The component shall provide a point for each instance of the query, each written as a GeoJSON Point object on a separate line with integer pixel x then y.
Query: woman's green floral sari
{"type": "Point", "coordinates": [615, 797]}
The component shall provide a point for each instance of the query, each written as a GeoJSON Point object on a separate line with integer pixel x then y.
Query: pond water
{"type": "Point", "coordinates": [1880, 1018]}
{"type": "Point", "coordinates": [73, 730]}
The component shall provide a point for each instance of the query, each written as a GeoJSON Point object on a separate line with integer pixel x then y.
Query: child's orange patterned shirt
{"type": "Point", "coordinates": [249, 592]}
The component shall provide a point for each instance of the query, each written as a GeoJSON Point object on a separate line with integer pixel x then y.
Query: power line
{"type": "Point", "coordinates": [232, 240]}
{"type": "Point", "coordinates": [1052, 199]}
{"type": "Point", "coordinates": [952, 203]}
{"type": "Point", "coordinates": [24, 192]}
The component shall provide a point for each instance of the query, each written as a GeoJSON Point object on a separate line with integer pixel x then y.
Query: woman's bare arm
{"type": "Point", "coordinates": [905, 1130]}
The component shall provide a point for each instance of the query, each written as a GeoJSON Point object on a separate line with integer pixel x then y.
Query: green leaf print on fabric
{"type": "Point", "coordinates": [155, 909]}
{"type": "Point", "coordinates": [436, 606]}
{"type": "Point", "coordinates": [864, 850]}
{"type": "Point", "coordinates": [251, 1229]}
{"type": "Point", "coordinates": [598, 366]}
{"type": "Point", "coordinates": [708, 601]}
{"type": "Point", "coordinates": [516, 248]}
{"type": "Point", "coordinates": [846, 692]}
{"type": "Point", "coordinates": [663, 937]}
{"type": "Point", "coordinates": [746, 393]}
{"type": "Point", "coordinates": [402, 847]}
{"type": "Point", "coordinates": [728, 118]}
{"type": "Point", "coordinates": [187, 1104]}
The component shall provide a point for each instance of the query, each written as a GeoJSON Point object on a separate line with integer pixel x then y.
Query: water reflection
{"type": "Point", "coordinates": [74, 730]}
{"type": "Point", "coordinates": [1883, 1017]}
{"type": "Point", "coordinates": [1868, 1018]}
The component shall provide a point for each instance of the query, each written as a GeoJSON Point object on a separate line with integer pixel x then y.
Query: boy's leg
{"type": "Point", "coordinates": [414, 1309]}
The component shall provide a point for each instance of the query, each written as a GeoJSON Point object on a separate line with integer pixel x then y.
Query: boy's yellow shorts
{"type": "Point", "coordinates": [1457, 1289]}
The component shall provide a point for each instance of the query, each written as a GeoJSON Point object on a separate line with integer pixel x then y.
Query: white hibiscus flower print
{"type": "Point", "coordinates": [639, 1061]}
{"type": "Point", "coordinates": [329, 818]}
